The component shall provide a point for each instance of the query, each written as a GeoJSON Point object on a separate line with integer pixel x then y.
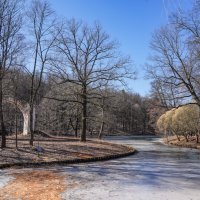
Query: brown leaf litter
{"type": "Point", "coordinates": [35, 185]}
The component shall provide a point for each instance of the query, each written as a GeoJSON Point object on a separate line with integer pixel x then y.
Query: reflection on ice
{"type": "Point", "coordinates": [155, 172]}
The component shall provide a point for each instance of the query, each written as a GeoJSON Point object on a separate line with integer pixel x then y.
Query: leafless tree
{"type": "Point", "coordinates": [174, 63]}
{"type": "Point", "coordinates": [10, 47]}
{"type": "Point", "coordinates": [89, 60]}
{"type": "Point", "coordinates": [42, 23]}
{"type": "Point", "coordinates": [175, 56]}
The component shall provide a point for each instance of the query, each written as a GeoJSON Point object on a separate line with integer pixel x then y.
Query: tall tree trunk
{"type": "Point", "coordinates": [101, 130]}
{"type": "Point", "coordinates": [3, 130]}
{"type": "Point", "coordinates": [31, 125]}
{"type": "Point", "coordinates": [198, 131]}
{"type": "Point", "coordinates": [84, 115]}
{"type": "Point", "coordinates": [33, 94]}
{"type": "Point", "coordinates": [197, 138]}
{"type": "Point", "coordinates": [76, 127]}
{"type": "Point", "coordinates": [16, 122]}
{"type": "Point", "coordinates": [102, 124]}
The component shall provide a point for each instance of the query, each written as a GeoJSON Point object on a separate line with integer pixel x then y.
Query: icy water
{"type": "Point", "coordinates": [156, 172]}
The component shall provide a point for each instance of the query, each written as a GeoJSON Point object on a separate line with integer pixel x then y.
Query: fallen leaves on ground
{"type": "Point", "coordinates": [34, 185]}
{"type": "Point", "coordinates": [56, 150]}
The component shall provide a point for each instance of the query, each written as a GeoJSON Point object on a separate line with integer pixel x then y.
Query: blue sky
{"type": "Point", "coordinates": [131, 22]}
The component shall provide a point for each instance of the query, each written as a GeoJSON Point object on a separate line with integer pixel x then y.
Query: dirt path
{"type": "Point", "coordinates": [34, 185]}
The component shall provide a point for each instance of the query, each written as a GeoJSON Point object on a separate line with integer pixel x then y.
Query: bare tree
{"type": "Point", "coordinates": [174, 63]}
{"type": "Point", "coordinates": [10, 47]}
{"type": "Point", "coordinates": [175, 57]}
{"type": "Point", "coordinates": [166, 92]}
{"type": "Point", "coordinates": [42, 29]}
{"type": "Point", "coordinates": [89, 60]}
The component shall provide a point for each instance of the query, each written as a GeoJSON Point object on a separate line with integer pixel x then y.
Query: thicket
{"type": "Point", "coordinates": [183, 121]}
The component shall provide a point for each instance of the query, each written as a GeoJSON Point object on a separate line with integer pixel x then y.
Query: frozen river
{"type": "Point", "coordinates": [156, 172]}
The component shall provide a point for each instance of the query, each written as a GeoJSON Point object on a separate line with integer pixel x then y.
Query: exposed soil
{"type": "Point", "coordinates": [56, 149]}
{"type": "Point", "coordinates": [34, 185]}
{"type": "Point", "coordinates": [183, 143]}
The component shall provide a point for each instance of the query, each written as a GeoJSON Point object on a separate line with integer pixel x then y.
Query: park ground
{"type": "Point", "coordinates": [34, 185]}
{"type": "Point", "coordinates": [191, 143]}
{"type": "Point", "coordinates": [56, 149]}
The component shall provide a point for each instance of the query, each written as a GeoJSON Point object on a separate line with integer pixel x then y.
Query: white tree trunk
{"type": "Point", "coordinates": [26, 115]}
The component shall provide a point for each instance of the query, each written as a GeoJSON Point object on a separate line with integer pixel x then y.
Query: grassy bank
{"type": "Point", "coordinates": [59, 150]}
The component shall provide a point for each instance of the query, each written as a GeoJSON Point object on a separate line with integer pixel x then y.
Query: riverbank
{"type": "Point", "coordinates": [156, 172]}
{"type": "Point", "coordinates": [172, 140]}
{"type": "Point", "coordinates": [65, 150]}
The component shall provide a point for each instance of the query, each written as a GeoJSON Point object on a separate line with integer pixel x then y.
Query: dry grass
{"type": "Point", "coordinates": [56, 150]}
{"type": "Point", "coordinates": [183, 143]}
{"type": "Point", "coordinates": [34, 185]}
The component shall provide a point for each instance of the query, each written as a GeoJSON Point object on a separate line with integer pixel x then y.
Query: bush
{"type": "Point", "coordinates": [181, 121]}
